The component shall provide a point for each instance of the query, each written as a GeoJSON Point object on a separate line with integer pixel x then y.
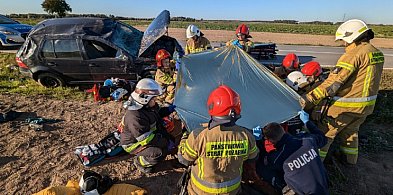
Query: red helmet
{"type": "Point", "coordinates": [312, 69]}
{"type": "Point", "coordinates": [162, 54]}
{"type": "Point", "coordinates": [243, 29]}
{"type": "Point", "coordinates": [291, 61]}
{"type": "Point", "coordinates": [223, 101]}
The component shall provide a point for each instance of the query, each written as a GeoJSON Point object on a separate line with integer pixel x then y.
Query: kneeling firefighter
{"type": "Point", "coordinates": [143, 133]}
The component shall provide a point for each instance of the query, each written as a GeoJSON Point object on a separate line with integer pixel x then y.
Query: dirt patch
{"type": "Point", "coordinates": [278, 38]}
{"type": "Point", "coordinates": [32, 160]}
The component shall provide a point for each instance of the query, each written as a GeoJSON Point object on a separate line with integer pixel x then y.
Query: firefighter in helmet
{"type": "Point", "coordinates": [165, 76]}
{"type": "Point", "coordinates": [352, 86]}
{"type": "Point", "coordinates": [143, 133]}
{"type": "Point", "coordinates": [289, 64]}
{"type": "Point", "coordinates": [242, 41]}
{"type": "Point", "coordinates": [196, 42]}
{"type": "Point", "coordinates": [218, 152]}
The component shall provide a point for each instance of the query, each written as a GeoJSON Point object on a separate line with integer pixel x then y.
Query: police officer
{"type": "Point", "coordinates": [352, 86]}
{"type": "Point", "coordinates": [295, 162]}
{"type": "Point", "coordinates": [142, 128]}
{"type": "Point", "coordinates": [196, 42]}
{"type": "Point", "coordinates": [217, 153]}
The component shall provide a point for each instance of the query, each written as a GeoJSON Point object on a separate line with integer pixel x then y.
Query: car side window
{"type": "Point", "coordinates": [95, 49]}
{"type": "Point", "coordinates": [48, 50]}
{"type": "Point", "coordinates": [67, 48]}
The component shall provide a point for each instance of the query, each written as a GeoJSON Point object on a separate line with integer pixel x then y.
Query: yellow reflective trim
{"type": "Point", "coordinates": [254, 149]}
{"type": "Point", "coordinates": [200, 167]}
{"type": "Point", "coordinates": [354, 104]}
{"type": "Point", "coordinates": [140, 143]}
{"type": "Point", "coordinates": [376, 57]}
{"type": "Point", "coordinates": [367, 81]}
{"type": "Point", "coordinates": [190, 151]}
{"type": "Point", "coordinates": [346, 150]}
{"type": "Point", "coordinates": [322, 153]}
{"type": "Point", "coordinates": [214, 190]}
{"type": "Point", "coordinates": [362, 29]}
{"type": "Point", "coordinates": [318, 93]}
{"type": "Point", "coordinates": [347, 66]}
{"type": "Point", "coordinates": [226, 149]}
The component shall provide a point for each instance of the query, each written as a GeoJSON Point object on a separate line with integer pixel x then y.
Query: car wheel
{"type": "Point", "coordinates": [50, 80]}
{"type": "Point", "coordinates": [149, 74]}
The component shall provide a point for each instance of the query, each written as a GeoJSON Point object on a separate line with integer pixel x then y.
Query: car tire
{"type": "Point", "coordinates": [50, 80]}
{"type": "Point", "coordinates": [149, 74]}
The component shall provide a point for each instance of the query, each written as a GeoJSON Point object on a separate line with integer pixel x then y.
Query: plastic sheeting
{"type": "Point", "coordinates": [264, 97]}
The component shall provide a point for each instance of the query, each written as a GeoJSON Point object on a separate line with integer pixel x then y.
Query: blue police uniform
{"type": "Point", "coordinates": [297, 158]}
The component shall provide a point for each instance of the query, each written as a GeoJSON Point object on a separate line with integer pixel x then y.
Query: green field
{"type": "Point", "coordinates": [381, 31]}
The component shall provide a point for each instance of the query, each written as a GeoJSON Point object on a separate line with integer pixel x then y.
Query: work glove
{"type": "Point", "coordinates": [304, 116]}
{"type": "Point", "coordinates": [177, 65]}
{"type": "Point", "coordinates": [257, 132]}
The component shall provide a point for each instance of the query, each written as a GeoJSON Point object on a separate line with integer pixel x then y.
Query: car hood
{"type": "Point", "coordinates": [22, 28]}
{"type": "Point", "coordinates": [157, 28]}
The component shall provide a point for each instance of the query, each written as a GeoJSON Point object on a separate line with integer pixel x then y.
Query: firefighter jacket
{"type": "Point", "coordinates": [286, 150]}
{"type": "Point", "coordinates": [353, 84]}
{"type": "Point", "coordinates": [140, 127]}
{"type": "Point", "coordinates": [165, 78]}
{"type": "Point", "coordinates": [218, 155]}
{"type": "Point", "coordinates": [244, 45]}
{"type": "Point", "coordinates": [201, 44]}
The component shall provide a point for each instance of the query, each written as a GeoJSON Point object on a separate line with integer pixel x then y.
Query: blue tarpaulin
{"type": "Point", "coordinates": [264, 97]}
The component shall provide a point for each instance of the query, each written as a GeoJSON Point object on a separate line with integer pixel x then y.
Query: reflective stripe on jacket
{"type": "Point", "coordinates": [354, 82]}
{"type": "Point", "coordinates": [201, 44]}
{"type": "Point", "coordinates": [139, 128]}
{"type": "Point", "coordinates": [218, 154]}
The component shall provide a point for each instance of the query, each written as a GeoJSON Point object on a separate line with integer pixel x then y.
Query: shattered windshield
{"type": "Point", "coordinates": [127, 38]}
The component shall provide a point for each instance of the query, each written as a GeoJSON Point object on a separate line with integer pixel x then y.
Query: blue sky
{"type": "Point", "coordinates": [371, 11]}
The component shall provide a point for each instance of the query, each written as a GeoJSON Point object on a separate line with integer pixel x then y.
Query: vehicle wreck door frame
{"type": "Point", "coordinates": [103, 65]}
{"type": "Point", "coordinates": [58, 63]}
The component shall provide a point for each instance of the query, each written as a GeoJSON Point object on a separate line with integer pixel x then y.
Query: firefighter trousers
{"type": "Point", "coordinates": [344, 128]}
{"type": "Point", "coordinates": [153, 153]}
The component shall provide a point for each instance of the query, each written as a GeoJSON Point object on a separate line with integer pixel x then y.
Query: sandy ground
{"type": "Point", "coordinates": [278, 38]}
{"type": "Point", "coordinates": [32, 160]}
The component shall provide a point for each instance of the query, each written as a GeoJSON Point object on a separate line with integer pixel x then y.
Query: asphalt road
{"type": "Point", "coordinates": [326, 56]}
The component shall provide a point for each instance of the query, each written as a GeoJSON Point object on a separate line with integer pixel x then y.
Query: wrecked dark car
{"type": "Point", "coordinates": [79, 51]}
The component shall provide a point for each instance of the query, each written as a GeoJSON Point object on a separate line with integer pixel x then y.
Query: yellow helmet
{"type": "Point", "coordinates": [350, 30]}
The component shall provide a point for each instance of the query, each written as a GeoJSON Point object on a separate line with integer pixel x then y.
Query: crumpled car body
{"type": "Point", "coordinates": [90, 50]}
{"type": "Point", "coordinates": [12, 33]}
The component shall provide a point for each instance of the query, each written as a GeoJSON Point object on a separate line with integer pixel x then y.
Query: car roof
{"type": "Point", "coordinates": [78, 25]}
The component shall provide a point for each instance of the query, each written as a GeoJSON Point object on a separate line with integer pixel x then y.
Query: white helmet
{"type": "Point", "coordinates": [296, 80]}
{"type": "Point", "coordinates": [350, 30]}
{"type": "Point", "coordinates": [144, 91]}
{"type": "Point", "coordinates": [192, 30]}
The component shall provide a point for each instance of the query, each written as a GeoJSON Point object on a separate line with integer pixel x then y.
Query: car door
{"type": "Point", "coordinates": [64, 57]}
{"type": "Point", "coordinates": [105, 61]}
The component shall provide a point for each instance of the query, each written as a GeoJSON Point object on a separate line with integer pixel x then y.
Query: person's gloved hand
{"type": "Point", "coordinates": [177, 65]}
{"type": "Point", "coordinates": [257, 132]}
{"type": "Point", "coordinates": [304, 116]}
{"type": "Point", "coordinates": [171, 108]}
